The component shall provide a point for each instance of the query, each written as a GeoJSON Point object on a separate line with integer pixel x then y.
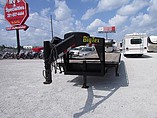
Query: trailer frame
{"type": "Point", "coordinates": [92, 65]}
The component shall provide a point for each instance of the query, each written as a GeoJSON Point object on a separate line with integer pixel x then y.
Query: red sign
{"type": "Point", "coordinates": [16, 12]}
{"type": "Point", "coordinates": [24, 27]}
{"type": "Point", "coordinates": [107, 29]}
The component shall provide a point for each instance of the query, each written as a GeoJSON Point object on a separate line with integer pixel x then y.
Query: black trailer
{"type": "Point", "coordinates": [92, 65]}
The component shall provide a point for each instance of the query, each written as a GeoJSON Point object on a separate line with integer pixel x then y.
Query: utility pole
{"type": "Point", "coordinates": [51, 28]}
{"type": "Point", "coordinates": [106, 36]}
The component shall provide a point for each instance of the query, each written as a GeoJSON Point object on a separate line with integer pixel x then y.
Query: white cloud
{"type": "Point", "coordinates": [117, 20]}
{"type": "Point", "coordinates": [142, 20]}
{"type": "Point", "coordinates": [132, 18]}
{"type": "Point", "coordinates": [87, 0]}
{"type": "Point", "coordinates": [2, 2]}
{"type": "Point", "coordinates": [45, 12]}
{"type": "Point", "coordinates": [89, 13]}
{"type": "Point", "coordinates": [38, 31]}
{"type": "Point", "coordinates": [79, 25]}
{"type": "Point", "coordinates": [133, 8]}
{"type": "Point", "coordinates": [62, 11]}
{"type": "Point", "coordinates": [152, 9]}
{"type": "Point", "coordinates": [36, 20]}
{"type": "Point", "coordinates": [61, 27]}
{"type": "Point", "coordinates": [64, 20]}
{"type": "Point", "coordinates": [95, 24]}
{"type": "Point", "coordinates": [104, 5]}
{"type": "Point", "coordinates": [146, 22]}
{"type": "Point", "coordinates": [2, 19]}
{"type": "Point", "coordinates": [7, 37]}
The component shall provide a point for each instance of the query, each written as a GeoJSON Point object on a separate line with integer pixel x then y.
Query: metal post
{"type": "Point", "coordinates": [85, 82]}
{"type": "Point", "coordinates": [84, 75]}
{"type": "Point", "coordinates": [18, 41]}
{"type": "Point", "coordinates": [47, 61]}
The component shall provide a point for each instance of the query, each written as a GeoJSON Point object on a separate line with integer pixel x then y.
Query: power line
{"type": "Point", "coordinates": [46, 19]}
{"type": "Point", "coordinates": [43, 20]}
{"type": "Point", "coordinates": [39, 28]}
{"type": "Point", "coordinates": [34, 27]}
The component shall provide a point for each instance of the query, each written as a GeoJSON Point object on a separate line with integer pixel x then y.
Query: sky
{"type": "Point", "coordinates": [128, 16]}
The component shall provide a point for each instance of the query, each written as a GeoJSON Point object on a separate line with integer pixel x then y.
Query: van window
{"type": "Point", "coordinates": [136, 41]}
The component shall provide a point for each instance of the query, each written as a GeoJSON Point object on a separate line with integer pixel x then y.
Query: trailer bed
{"type": "Point", "coordinates": [92, 64]}
{"type": "Point", "coordinates": [110, 58]}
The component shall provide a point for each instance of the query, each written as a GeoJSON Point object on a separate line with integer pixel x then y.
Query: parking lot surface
{"type": "Point", "coordinates": [131, 95]}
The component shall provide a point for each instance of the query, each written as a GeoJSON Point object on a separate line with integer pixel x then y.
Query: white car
{"type": "Point", "coordinates": [75, 51]}
{"type": "Point", "coordinates": [86, 51]}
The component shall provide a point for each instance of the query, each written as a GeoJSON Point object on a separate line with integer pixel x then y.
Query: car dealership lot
{"type": "Point", "coordinates": [131, 95]}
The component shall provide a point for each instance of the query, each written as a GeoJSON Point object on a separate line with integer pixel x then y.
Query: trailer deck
{"type": "Point", "coordinates": [92, 62]}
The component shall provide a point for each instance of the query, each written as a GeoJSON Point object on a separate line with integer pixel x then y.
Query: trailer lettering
{"type": "Point", "coordinates": [90, 40]}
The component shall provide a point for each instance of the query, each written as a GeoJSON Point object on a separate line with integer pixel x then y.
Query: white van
{"type": "Point", "coordinates": [135, 44]}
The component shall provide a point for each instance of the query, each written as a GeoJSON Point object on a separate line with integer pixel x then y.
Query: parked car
{"type": "Point", "coordinates": [86, 51]}
{"type": "Point", "coordinates": [75, 51]}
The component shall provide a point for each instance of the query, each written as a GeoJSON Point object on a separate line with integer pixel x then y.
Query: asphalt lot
{"type": "Point", "coordinates": [131, 95]}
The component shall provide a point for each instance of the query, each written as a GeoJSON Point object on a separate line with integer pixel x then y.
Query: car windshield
{"type": "Point", "coordinates": [77, 48]}
{"type": "Point", "coordinates": [87, 49]}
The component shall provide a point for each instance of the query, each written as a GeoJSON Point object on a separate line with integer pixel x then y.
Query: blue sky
{"type": "Point", "coordinates": [129, 16]}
